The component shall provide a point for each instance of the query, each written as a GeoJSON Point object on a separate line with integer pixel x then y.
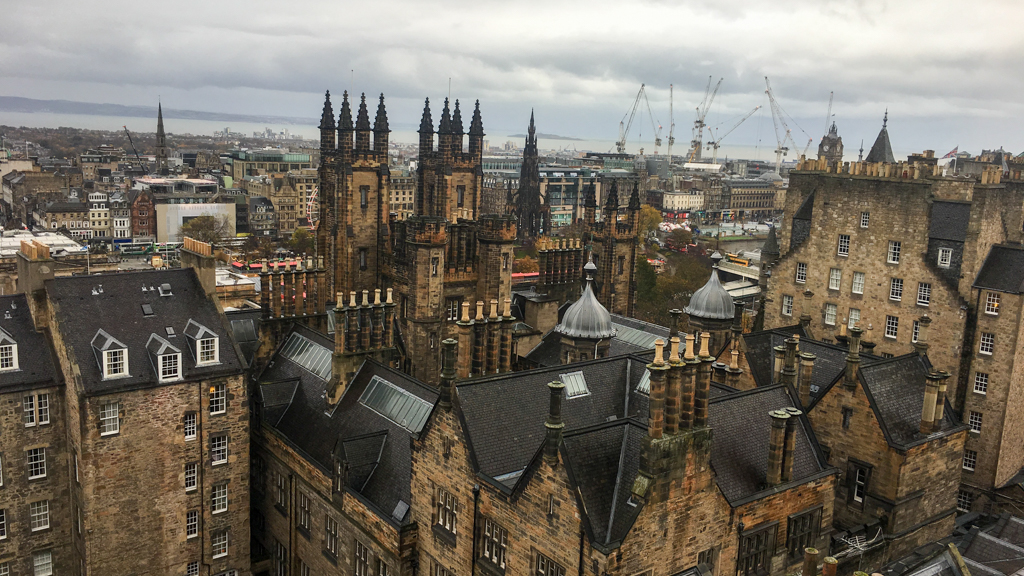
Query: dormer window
{"type": "Point", "coordinates": [111, 355]}
{"type": "Point", "coordinates": [204, 342]}
{"type": "Point", "coordinates": [166, 358]}
{"type": "Point", "coordinates": [8, 352]}
{"type": "Point", "coordinates": [170, 367]}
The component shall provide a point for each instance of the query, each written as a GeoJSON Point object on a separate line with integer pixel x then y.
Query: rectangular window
{"type": "Point", "coordinates": [304, 513]}
{"type": "Point", "coordinates": [219, 450]}
{"type": "Point", "coordinates": [460, 192]}
{"type": "Point", "coordinates": [219, 544]}
{"type": "Point", "coordinates": [915, 332]}
{"type": "Point", "coordinates": [835, 278]}
{"type": "Point", "coordinates": [892, 326]}
{"type": "Point", "coordinates": [945, 257]}
{"type": "Point", "coordinates": [548, 567]}
{"type": "Point", "coordinates": [362, 258]}
{"type": "Point", "coordinates": [858, 283]}
{"type": "Point", "coordinates": [830, 314]}
{"type": "Point", "coordinates": [39, 515]}
{"type": "Point", "coordinates": [219, 499]}
{"type": "Point", "coordinates": [924, 293]}
{"type": "Point", "coordinates": [974, 421]}
{"type": "Point", "coordinates": [858, 482]}
{"type": "Point", "coordinates": [36, 463]}
{"type": "Point", "coordinates": [435, 263]}
{"type": "Point", "coordinates": [282, 491]}
{"type": "Point", "coordinates": [801, 272]}
{"type": "Point", "coordinates": [495, 543]}
{"type": "Point", "coordinates": [440, 571]}
{"type": "Point", "coordinates": [190, 426]}
{"type": "Point", "coordinates": [5, 569]}
{"type": "Point", "coordinates": [3, 523]}
{"type": "Point", "coordinates": [755, 552]}
{"type": "Point", "coordinates": [981, 382]}
{"type": "Point", "coordinates": [193, 569]}
{"type": "Point", "coordinates": [987, 344]}
{"type": "Point", "coordinates": [8, 357]}
{"type": "Point", "coordinates": [42, 563]}
{"type": "Point", "coordinates": [331, 536]}
{"type": "Point", "coordinates": [281, 557]}
{"type": "Point", "coordinates": [191, 524]}
{"type": "Point", "coordinates": [787, 305]}
{"type": "Point", "coordinates": [28, 408]}
{"type": "Point", "coordinates": [454, 305]}
{"type": "Point", "coordinates": [218, 398]}
{"type": "Point", "coordinates": [802, 532]}
{"type": "Point", "coordinates": [43, 408]}
{"type": "Point", "coordinates": [304, 569]}
{"type": "Point", "coordinates": [170, 366]}
{"type": "Point", "coordinates": [361, 561]}
{"type": "Point", "coordinates": [114, 363]}
{"type": "Point", "coordinates": [854, 317]}
{"type": "Point", "coordinates": [707, 557]}
{"type": "Point", "coordinates": [970, 460]}
{"type": "Point", "coordinates": [364, 196]}
{"type": "Point", "coordinates": [109, 421]}
{"type": "Point", "coordinates": [964, 500]}
{"type": "Point", "coordinates": [844, 244]}
{"type": "Point", "coordinates": [191, 476]}
{"type": "Point", "coordinates": [382, 568]}
{"type": "Point", "coordinates": [847, 416]}
{"type": "Point", "coordinates": [865, 217]}
{"type": "Point", "coordinates": [896, 289]}
{"type": "Point", "coordinates": [447, 510]}
{"type": "Point", "coordinates": [208, 351]}
{"type": "Point", "coordinates": [992, 303]}
{"type": "Point", "coordinates": [893, 256]}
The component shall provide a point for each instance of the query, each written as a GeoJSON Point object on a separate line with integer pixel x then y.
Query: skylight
{"type": "Point", "coordinates": [395, 404]}
{"type": "Point", "coordinates": [575, 384]}
{"type": "Point", "coordinates": [644, 387]}
{"type": "Point", "coordinates": [311, 356]}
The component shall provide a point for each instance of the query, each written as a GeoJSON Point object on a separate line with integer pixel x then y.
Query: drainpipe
{"type": "Point", "coordinates": [476, 516]}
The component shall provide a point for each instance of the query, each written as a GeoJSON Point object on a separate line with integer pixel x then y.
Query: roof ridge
{"type": "Point", "coordinates": [559, 367]}
{"type": "Point", "coordinates": [745, 393]}
{"type": "Point", "coordinates": [618, 481]}
{"type": "Point", "coordinates": [600, 426]}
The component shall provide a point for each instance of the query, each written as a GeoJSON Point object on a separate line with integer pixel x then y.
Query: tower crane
{"type": "Point", "coordinates": [671, 125]}
{"type": "Point", "coordinates": [828, 116]}
{"type": "Point", "coordinates": [714, 144]}
{"type": "Point", "coordinates": [624, 125]}
{"type": "Point", "coordinates": [783, 134]}
{"type": "Point", "coordinates": [139, 158]}
{"type": "Point", "coordinates": [698, 125]}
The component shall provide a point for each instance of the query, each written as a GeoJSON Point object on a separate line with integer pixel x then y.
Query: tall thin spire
{"type": "Point", "coordinates": [345, 114]}
{"type": "Point", "coordinates": [161, 142]}
{"type": "Point", "coordinates": [885, 119]}
{"type": "Point", "coordinates": [327, 118]}
{"type": "Point", "coordinates": [612, 202]}
{"type": "Point", "coordinates": [457, 120]}
{"type": "Point", "coordinates": [380, 122]}
{"type": "Point", "coordinates": [476, 127]}
{"type": "Point", "coordinates": [363, 118]}
{"type": "Point", "coordinates": [445, 124]}
{"type": "Point", "coordinates": [426, 123]}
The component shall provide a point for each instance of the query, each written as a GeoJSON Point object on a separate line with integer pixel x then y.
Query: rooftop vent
{"type": "Point", "coordinates": [147, 310]}
{"type": "Point", "coordinates": [170, 331]}
{"type": "Point", "coordinates": [165, 289]}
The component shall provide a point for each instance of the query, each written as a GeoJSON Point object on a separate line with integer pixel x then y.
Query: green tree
{"type": "Point", "coordinates": [302, 242]}
{"type": "Point", "coordinates": [646, 280]}
{"type": "Point", "coordinates": [206, 228]}
{"type": "Point", "coordinates": [682, 236]}
{"type": "Point", "coordinates": [650, 217]}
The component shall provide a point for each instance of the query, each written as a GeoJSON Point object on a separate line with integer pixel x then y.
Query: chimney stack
{"type": "Point", "coordinates": [940, 401]}
{"type": "Point", "coordinates": [789, 447]}
{"type": "Point", "coordinates": [806, 373]}
{"type": "Point", "coordinates": [553, 426]}
{"type": "Point", "coordinates": [465, 325]}
{"type": "Point", "coordinates": [780, 360]}
{"type": "Point", "coordinates": [931, 393]}
{"type": "Point", "coordinates": [776, 446]}
{"type": "Point", "coordinates": [658, 369]}
{"type": "Point", "coordinates": [922, 335]}
{"type": "Point", "coordinates": [447, 391]}
{"type": "Point", "coordinates": [673, 388]}
{"type": "Point", "coordinates": [829, 566]}
{"type": "Point", "coordinates": [789, 365]}
{"type": "Point", "coordinates": [805, 311]}
{"type": "Point", "coordinates": [810, 561]}
{"type": "Point", "coordinates": [703, 384]}
{"type": "Point", "coordinates": [686, 392]}
{"type": "Point", "coordinates": [853, 358]}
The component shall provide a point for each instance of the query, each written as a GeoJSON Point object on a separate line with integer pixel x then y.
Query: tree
{"type": "Point", "coordinates": [646, 280]}
{"type": "Point", "coordinates": [525, 264]}
{"type": "Point", "coordinates": [682, 237]}
{"type": "Point", "coordinates": [302, 241]}
{"type": "Point", "coordinates": [650, 217]}
{"type": "Point", "coordinates": [206, 228]}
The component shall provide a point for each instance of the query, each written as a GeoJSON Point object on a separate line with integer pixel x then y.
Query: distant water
{"type": "Point", "coordinates": [208, 127]}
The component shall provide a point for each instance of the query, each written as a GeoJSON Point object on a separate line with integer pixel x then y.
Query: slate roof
{"type": "Point", "coordinates": [548, 352]}
{"type": "Point", "coordinates": [1003, 270]}
{"type": "Point", "coordinates": [895, 388]}
{"type": "Point", "coordinates": [114, 304]}
{"type": "Point", "coordinates": [37, 365]}
{"type": "Point", "coordinates": [995, 553]}
{"type": "Point", "coordinates": [245, 327]}
{"type": "Point", "coordinates": [586, 318]}
{"type": "Point", "coordinates": [739, 451]}
{"type": "Point", "coordinates": [881, 150]}
{"type": "Point", "coordinates": [949, 221]}
{"type": "Point", "coordinates": [378, 449]}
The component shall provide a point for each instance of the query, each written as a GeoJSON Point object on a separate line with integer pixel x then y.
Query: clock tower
{"type": "Point", "coordinates": [831, 146]}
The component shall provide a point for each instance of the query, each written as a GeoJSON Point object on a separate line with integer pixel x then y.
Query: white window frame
{"type": "Point", "coordinates": [970, 461]}
{"type": "Point", "coordinates": [219, 499]}
{"type": "Point", "coordinates": [893, 255]}
{"type": "Point", "coordinates": [191, 524]}
{"type": "Point", "coordinates": [218, 398]}
{"type": "Point", "coordinates": [945, 259]}
{"type": "Point", "coordinates": [3, 523]}
{"type": "Point", "coordinates": [216, 448]}
{"type": "Point", "coordinates": [974, 420]}
{"type": "Point", "coordinates": [787, 305]}
{"type": "Point", "coordinates": [447, 510]}
{"type": "Point", "coordinates": [36, 458]}
{"type": "Point", "coordinates": [865, 219]}
{"type": "Point", "coordinates": [191, 476]}
{"type": "Point", "coordinates": [39, 515]}
{"type": "Point", "coordinates": [28, 410]}
{"type": "Point", "coordinates": [801, 272]}
{"type": "Point", "coordinates": [892, 327]}
{"type": "Point", "coordinates": [835, 278]}
{"type": "Point", "coordinates": [112, 368]}
{"type": "Point", "coordinates": [860, 484]}
{"type": "Point", "coordinates": [210, 347]}
{"type": "Point", "coordinates": [981, 383]}
{"type": "Point", "coordinates": [831, 311]}
{"type": "Point", "coordinates": [110, 418]}
{"type": "Point", "coordinates": [896, 289]}
{"type": "Point", "coordinates": [858, 287]}
{"type": "Point", "coordinates": [170, 367]}
{"type": "Point", "coordinates": [915, 332]}
{"type": "Point", "coordinates": [992, 302]}
{"type": "Point", "coordinates": [219, 544]}
{"type": "Point", "coordinates": [8, 357]}
{"type": "Point", "coordinates": [192, 569]}
{"type": "Point", "coordinates": [964, 501]}
{"type": "Point", "coordinates": [42, 563]}
{"type": "Point", "coordinates": [924, 293]}
{"type": "Point", "coordinates": [987, 343]}
{"type": "Point", "coordinates": [844, 245]}
{"type": "Point", "coordinates": [191, 425]}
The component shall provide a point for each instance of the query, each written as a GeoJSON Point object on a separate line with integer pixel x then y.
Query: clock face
{"type": "Point", "coordinates": [825, 147]}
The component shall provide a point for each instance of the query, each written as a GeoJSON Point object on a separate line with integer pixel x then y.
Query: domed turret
{"type": "Point", "coordinates": [586, 327]}
{"type": "Point", "coordinates": [712, 300]}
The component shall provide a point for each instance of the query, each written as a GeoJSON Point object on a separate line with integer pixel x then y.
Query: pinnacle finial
{"type": "Point", "coordinates": [476, 127]}
{"type": "Point", "coordinates": [612, 202]}
{"type": "Point", "coordinates": [444, 126]}
{"type": "Point", "coordinates": [457, 119]}
{"type": "Point", "coordinates": [380, 122]}
{"type": "Point", "coordinates": [345, 114]}
{"type": "Point", "coordinates": [634, 198]}
{"type": "Point", "coordinates": [426, 123]}
{"type": "Point", "coordinates": [885, 119]}
{"type": "Point", "coordinates": [363, 118]}
{"type": "Point", "coordinates": [327, 118]}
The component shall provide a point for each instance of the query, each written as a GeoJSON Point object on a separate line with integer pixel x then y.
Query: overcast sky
{"type": "Point", "coordinates": [949, 72]}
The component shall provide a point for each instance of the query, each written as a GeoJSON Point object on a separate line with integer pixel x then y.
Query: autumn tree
{"type": "Point", "coordinates": [301, 242]}
{"type": "Point", "coordinates": [682, 236]}
{"type": "Point", "coordinates": [525, 265]}
{"type": "Point", "coordinates": [206, 228]}
{"type": "Point", "coordinates": [650, 217]}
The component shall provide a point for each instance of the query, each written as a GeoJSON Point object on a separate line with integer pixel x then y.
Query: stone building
{"type": "Point", "coordinates": [133, 422]}
{"type": "Point", "coordinates": [142, 215]}
{"type": "Point", "coordinates": [831, 146]}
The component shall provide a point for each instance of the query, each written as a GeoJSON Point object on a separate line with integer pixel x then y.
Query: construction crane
{"type": "Point", "coordinates": [129, 135]}
{"type": "Point", "coordinates": [714, 144]}
{"type": "Point", "coordinates": [698, 125]}
{"type": "Point", "coordinates": [624, 126]}
{"type": "Point", "coordinates": [671, 125]}
{"type": "Point", "coordinates": [828, 116]}
{"type": "Point", "coordinates": [783, 134]}
{"type": "Point", "coordinates": [312, 207]}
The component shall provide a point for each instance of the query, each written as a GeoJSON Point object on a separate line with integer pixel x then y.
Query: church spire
{"type": "Point", "coordinates": [881, 150]}
{"type": "Point", "coordinates": [327, 118]}
{"type": "Point", "coordinates": [345, 114]}
{"type": "Point", "coordinates": [634, 198]}
{"type": "Point", "coordinates": [363, 119]}
{"type": "Point", "coordinates": [380, 122]}
{"type": "Point", "coordinates": [445, 125]}
{"type": "Point", "coordinates": [161, 142]}
{"type": "Point", "coordinates": [612, 202]}
{"type": "Point", "coordinates": [457, 120]}
{"type": "Point", "coordinates": [476, 127]}
{"type": "Point", "coordinates": [426, 123]}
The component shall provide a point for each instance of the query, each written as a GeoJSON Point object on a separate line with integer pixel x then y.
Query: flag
{"type": "Point", "coordinates": [951, 153]}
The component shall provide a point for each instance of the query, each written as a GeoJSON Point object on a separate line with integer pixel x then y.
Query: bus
{"type": "Point", "coordinates": [136, 248]}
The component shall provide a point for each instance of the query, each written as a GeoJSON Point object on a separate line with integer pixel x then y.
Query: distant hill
{"type": "Point", "coordinates": [541, 135]}
{"type": "Point", "coordinates": [32, 106]}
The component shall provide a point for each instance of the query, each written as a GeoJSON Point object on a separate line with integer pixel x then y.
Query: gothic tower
{"type": "Point", "coordinates": [532, 216]}
{"type": "Point", "coordinates": [614, 248]}
{"type": "Point", "coordinates": [831, 147]}
{"type": "Point", "coordinates": [161, 143]}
